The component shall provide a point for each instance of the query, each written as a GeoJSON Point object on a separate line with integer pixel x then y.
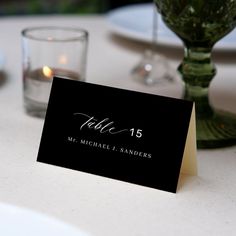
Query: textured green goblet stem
{"type": "Point", "coordinates": [197, 70]}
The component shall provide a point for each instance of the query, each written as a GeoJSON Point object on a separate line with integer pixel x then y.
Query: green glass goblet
{"type": "Point", "coordinates": [200, 24]}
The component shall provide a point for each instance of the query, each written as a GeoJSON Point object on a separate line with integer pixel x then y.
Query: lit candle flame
{"type": "Point", "coordinates": [47, 72]}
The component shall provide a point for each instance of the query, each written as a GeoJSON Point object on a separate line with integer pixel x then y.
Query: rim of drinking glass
{"type": "Point", "coordinates": [27, 33]}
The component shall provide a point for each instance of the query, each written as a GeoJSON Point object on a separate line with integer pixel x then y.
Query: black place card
{"type": "Point", "coordinates": [125, 135]}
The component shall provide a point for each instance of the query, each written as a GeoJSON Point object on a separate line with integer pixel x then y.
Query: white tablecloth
{"type": "Point", "coordinates": [204, 205]}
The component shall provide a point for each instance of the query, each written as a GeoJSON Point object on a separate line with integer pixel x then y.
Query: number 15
{"type": "Point", "coordinates": [136, 132]}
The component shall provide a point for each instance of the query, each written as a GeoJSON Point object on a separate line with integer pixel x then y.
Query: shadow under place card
{"type": "Point", "coordinates": [136, 137]}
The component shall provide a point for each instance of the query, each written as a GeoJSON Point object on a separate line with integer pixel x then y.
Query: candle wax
{"type": "Point", "coordinates": [37, 86]}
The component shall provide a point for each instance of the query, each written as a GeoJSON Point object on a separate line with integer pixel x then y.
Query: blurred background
{"type": "Point", "coordinates": [22, 7]}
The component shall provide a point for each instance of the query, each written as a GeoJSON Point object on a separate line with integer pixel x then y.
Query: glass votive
{"type": "Point", "coordinates": [48, 52]}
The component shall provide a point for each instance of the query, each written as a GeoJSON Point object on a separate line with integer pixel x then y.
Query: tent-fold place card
{"type": "Point", "coordinates": [136, 137]}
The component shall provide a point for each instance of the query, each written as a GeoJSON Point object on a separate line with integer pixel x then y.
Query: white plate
{"type": "Point", "coordinates": [16, 221]}
{"type": "Point", "coordinates": [135, 22]}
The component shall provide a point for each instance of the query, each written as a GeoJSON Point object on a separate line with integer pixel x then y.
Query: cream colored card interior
{"type": "Point", "coordinates": [189, 163]}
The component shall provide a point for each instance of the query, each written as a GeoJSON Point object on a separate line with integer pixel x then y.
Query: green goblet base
{"type": "Point", "coordinates": [216, 131]}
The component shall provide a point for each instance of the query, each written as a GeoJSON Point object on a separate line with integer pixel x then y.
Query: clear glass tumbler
{"type": "Point", "coordinates": [48, 52]}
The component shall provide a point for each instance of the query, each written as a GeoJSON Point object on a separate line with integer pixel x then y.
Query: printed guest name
{"type": "Point", "coordinates": [135, 153]}
{"type": "Point", "coordinates": [105, 146]}
{"type": "Point", "coordinates": [95, 144]}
